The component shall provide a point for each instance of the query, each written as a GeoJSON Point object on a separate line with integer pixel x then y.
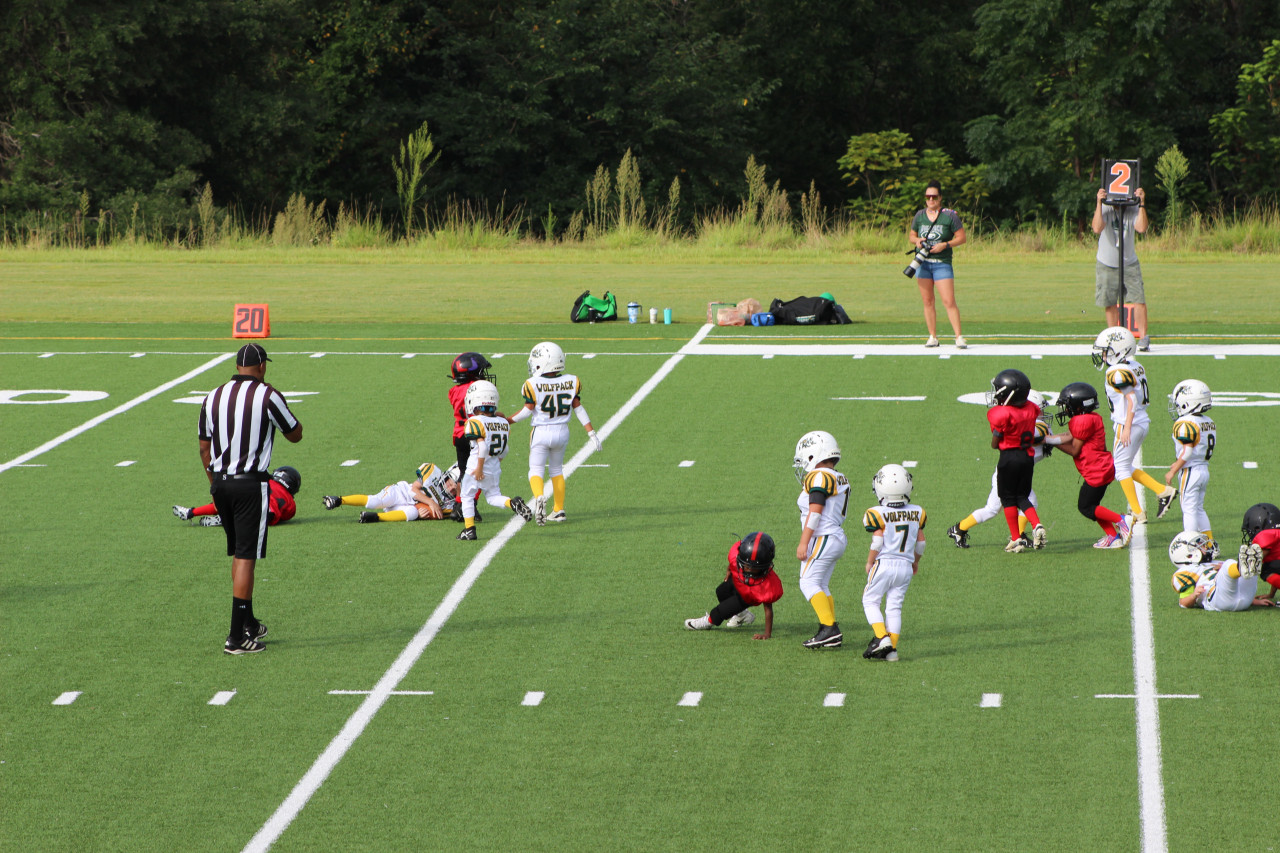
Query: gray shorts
{"type": "Point", "coordinates": [1107, 285]}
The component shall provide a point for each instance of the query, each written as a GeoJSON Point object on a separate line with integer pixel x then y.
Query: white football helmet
{"type": "Point", "coordinates": [892, 485]}
{"type": "Point", "coordinates": [545, 358]}
{"type": "Point", "coordinates": [1036, 397]}
{"type": "Point", "coordinates": [813, 448]}
{"type": "Point", "coordinates": [454, 473]}
{"type": "Point", "coordinates": [1192, 549]}
{"type": "Point", "coordinates": [482, 394]}
{"type": "Point", "coordinates": [1190, 397]}
{"type": "Point", "coordinates": [1114, 345]}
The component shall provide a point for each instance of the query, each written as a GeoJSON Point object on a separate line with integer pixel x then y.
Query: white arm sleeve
{"type": "Point", "coordinates": [581, 412]}
{"type": "Point", "coordinates": [524, 412]}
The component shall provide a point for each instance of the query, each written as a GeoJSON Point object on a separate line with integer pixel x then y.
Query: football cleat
{"type": "Point", "coordinates": [892, 656]}
{"type": "Point", "coordinates": [332, 501]}
{"type": "Point", "coordinates": [556, 516]}
{"type": "Point", "coordinates": [182, 512]}
{"type": "Point", "coordinates": [1039, 537]}
{"type": "Point", "coordinates": [1123, 530]}
{"type": "Point", "coordinates": [520, 508]}
{"type": "Point", "coordinates": [828, 637]}
{"type": "Point", "coordinates": [1250, 560]}
{"type": "Point", "coordinates": [1165, 501]}
{"type": "Point", "coordinates": [468, 534]}
{"type": "Point", "coordinates": [746, 617]}
{"type": "Point", "coordinates": [701, 623]}
{"type": "Point", "coordinates": [211, 521]}
{"type": "Point", "coordinates": [960, 537]}
{"type": "Point", "coordinates": [1139, 517]}
{"type": "Point", "coordinates": [878, 648]}
{"type": "Point", "coordinates": [369, 518]}
{"type": "Point", "coordinates": [1016, 546]}
{"type": "Point", "coordinates": [540, 510]}
{"type": "Point", "coordinates": [1105, 541]}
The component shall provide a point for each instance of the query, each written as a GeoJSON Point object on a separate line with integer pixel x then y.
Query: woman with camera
{"type": "Point", "coordinates": [935, 231]}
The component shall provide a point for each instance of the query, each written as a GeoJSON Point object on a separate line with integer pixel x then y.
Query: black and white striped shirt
{"type": "Point", "coordinates": [239, 420]}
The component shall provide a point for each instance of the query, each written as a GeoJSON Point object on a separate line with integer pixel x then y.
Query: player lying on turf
{"type": "Point", "coordinates": [431, 496]}
{"type": "Point", "coordinates": [285, 482]}
{"type": "Point", "coordinates": [750, 580]}
{"type": "Point", "coordinates": [1202, 580]}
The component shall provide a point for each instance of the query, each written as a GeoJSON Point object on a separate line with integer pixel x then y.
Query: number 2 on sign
{"type": "Point", "coordinates": [249, 320]}
{"type": "Point", "coordinates": [1120, 175]}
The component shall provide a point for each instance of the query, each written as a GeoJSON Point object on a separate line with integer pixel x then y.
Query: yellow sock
{"type": "Point", "coordinates": [893, 638]}
{"type": "Point", "coordinates": [557, 493]}
{"type": "Point", "coordinates": [1022, 523]}
{"type": "Point", "coordinates": [394, 515]}
{"type": "Point", "coordinates": [355, 500]}
{"type": "Point", "coordinates": [1131, 494]}
{"type": "Point", "coordinates": [1234, 570]}
{"type": "Point", "coordinates": [822, 606]}
{"type": "Point", "coordinates": [468, 523]}
{"type": "Point", "coordinates": [1147, 481]}
{"type": "Point", "coordinates": [878, 628]}
{"type": "Point", "coordinates": [968, 524]}
{"type": "Point", "coordinates": [831, 602]}
{"type": "Point", "coordinates": [536, 486]}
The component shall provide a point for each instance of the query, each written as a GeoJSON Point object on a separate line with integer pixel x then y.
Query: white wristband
{"type": "Point", "coordinates": [877, 542]}
{"type": "Point", "coordinates": [811, 522]}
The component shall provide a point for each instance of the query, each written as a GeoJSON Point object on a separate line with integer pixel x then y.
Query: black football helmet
{"type": "Point", "coordinates": [755, 556]}
{"type": "Point", "coordinates": [1009, 388]}
{"type": "Point", "coordinates": [469, 367]}
{"type": "Point", "coordinates": [288, 477]}
{"type": "Point", "coordinates": [1076, 399]}
{"type": "Point", "coordinates": [1258, 518]}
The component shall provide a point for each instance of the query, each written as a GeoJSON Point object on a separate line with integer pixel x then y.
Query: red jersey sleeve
{"type": "Point", "coordinates": [280, 504]}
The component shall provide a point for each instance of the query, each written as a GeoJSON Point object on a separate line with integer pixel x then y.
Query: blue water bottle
{"type": "Point", "coordinates": [633, 312]}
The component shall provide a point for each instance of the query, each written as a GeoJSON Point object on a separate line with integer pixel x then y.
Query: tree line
{"type": "Point", "coordinates": [121, 105]}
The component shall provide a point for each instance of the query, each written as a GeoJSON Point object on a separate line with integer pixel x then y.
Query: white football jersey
{"type": "Point", "coordinates": [1217, 590]}
{"type": "Point", "coordinates": [900, 528]}
{"type": "Point", "coordinates": [1194, 437]}
{"type": "Point", "coordinates": [552, 397]}
{"type": "Point", "coordinates": [1123, 378]}
{"type": "Point", "coordinates": [488, 435]}
{"type": "Point", "coordinates": [433, 483]}
{"type": "Point", "coordinates": [835, 486]}
{"type": "Point", "coordinates": [1042, 430]}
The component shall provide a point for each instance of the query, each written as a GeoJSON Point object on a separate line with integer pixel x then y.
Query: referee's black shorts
{"type": "Point", "coordinates": [1013, 477]}
{"type": "Point", "coordinates": [242, 504]}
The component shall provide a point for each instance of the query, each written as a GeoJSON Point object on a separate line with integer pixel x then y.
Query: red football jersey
{"type": "Point", "coordinates": [457, 396]}
{"type": "Point", "coordinates": [1269, 542]}
{"type": "Point", "coordinates": [1017, 425]}
{"type": "Point", "coordinates": [1094, 461]}
{"type": "Point", "coordinates": [280, 504]}
{"type": "Point", "coordinates": [765, 590]}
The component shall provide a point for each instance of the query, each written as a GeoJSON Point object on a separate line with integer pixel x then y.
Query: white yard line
{"type": "Point", "coordinates": [1147, 702]}
{"type": "Point", "coordinates": [400, 667]}
{"type": "Point", "coordinates": [105, 416]}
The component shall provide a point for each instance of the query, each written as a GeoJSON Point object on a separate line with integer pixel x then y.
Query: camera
{"type": "Point", "coordinates": [920, 256]}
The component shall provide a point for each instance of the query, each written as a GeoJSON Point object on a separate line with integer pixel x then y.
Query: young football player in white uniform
{"type": "Point", "coordinates": [1127, 398]}
{"type": "Point", "coordinates": [431, 496]}
{"type": "Point", "coordinates": [897, 543]}
{"type": "Point", "coordinates": [488, 433]}
{"type": "Point", "coordinates": [550, 395]}
{"type": "Point", "coordinates": [1202, 580]}
{"type": "Point", "coordinates": [959, 532]}
{"type": "Point", "coordinates": [823, 503]}
{"type": "Point", "coordinates": [1194, 437]}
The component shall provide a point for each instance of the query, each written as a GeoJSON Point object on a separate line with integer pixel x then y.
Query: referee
{"type": "Point", "coordinates": [238, 421]}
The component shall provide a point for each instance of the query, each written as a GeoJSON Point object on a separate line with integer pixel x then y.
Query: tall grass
{"type": "Point", "coordinates": [614, 215]}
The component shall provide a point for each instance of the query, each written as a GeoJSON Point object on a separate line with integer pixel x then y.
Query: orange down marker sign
{"type": "Point", "coordinates": [251, 321]}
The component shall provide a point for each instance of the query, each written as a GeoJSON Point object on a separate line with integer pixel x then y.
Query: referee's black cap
{"type": "Point", "coordinates": [251, 355]}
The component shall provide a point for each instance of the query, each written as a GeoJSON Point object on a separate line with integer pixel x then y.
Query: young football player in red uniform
{"type": "Point", "coordinates": [749, 581]}
{"type": "Point", "coordinates": [285, 482]}
{"type": "Point", "coordinates": [1013, 432]}
{"type": "Point", "coordinates": [1261, 543]}
{"type": "Point", "coordinates": [466, 368]}
{"type": "Point", "coordinates": [1086, 442]}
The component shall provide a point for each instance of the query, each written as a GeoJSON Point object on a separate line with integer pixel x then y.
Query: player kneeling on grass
{"type": "Point", "coordinates": [1260, 543]}
{"type": "Point", "coordinates": [488, 433]}
{"type": "Point", "coordinates": [285, 482]}
{"type": "Point", "coordinates": [1202, 580]}
{"type": "Point", "coordinates": [749, 581]}
{"type": "Point", "coordinates": [1086, 442]}
{"type": "Point", "coordinates": [897, 543]}
{"type": "Point", "coordinates": [431, 496]}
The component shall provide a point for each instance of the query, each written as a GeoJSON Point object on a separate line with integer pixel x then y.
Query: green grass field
{"type": "Point", "coordinates": [107, 594]}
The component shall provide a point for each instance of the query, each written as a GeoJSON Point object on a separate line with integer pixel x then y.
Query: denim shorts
{"type": "Point", "coordinates": [935, 270]}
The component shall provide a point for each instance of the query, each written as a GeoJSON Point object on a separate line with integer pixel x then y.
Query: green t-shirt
{"type": "Point", "coordinates": [939, 231]}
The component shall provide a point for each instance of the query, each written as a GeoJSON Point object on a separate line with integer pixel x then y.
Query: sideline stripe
{"type": "Point", "coordinates": [105, 416]}
{"type": "Point", "coordinates": [1146, 706]}
{"type": "Point", "coordinates": [356, 723]}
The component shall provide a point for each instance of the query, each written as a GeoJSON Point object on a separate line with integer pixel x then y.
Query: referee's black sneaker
{"type": "Point", "coordinates": [468, 534]}
{"type": "Point", "coordinates": [369, 517]}
{"type": "Point", "coordinates": [256, 630]}
{"type": "Point", "coordinates": [828, 637]}
{"type": "Point", "coordinates": [247, 645]}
